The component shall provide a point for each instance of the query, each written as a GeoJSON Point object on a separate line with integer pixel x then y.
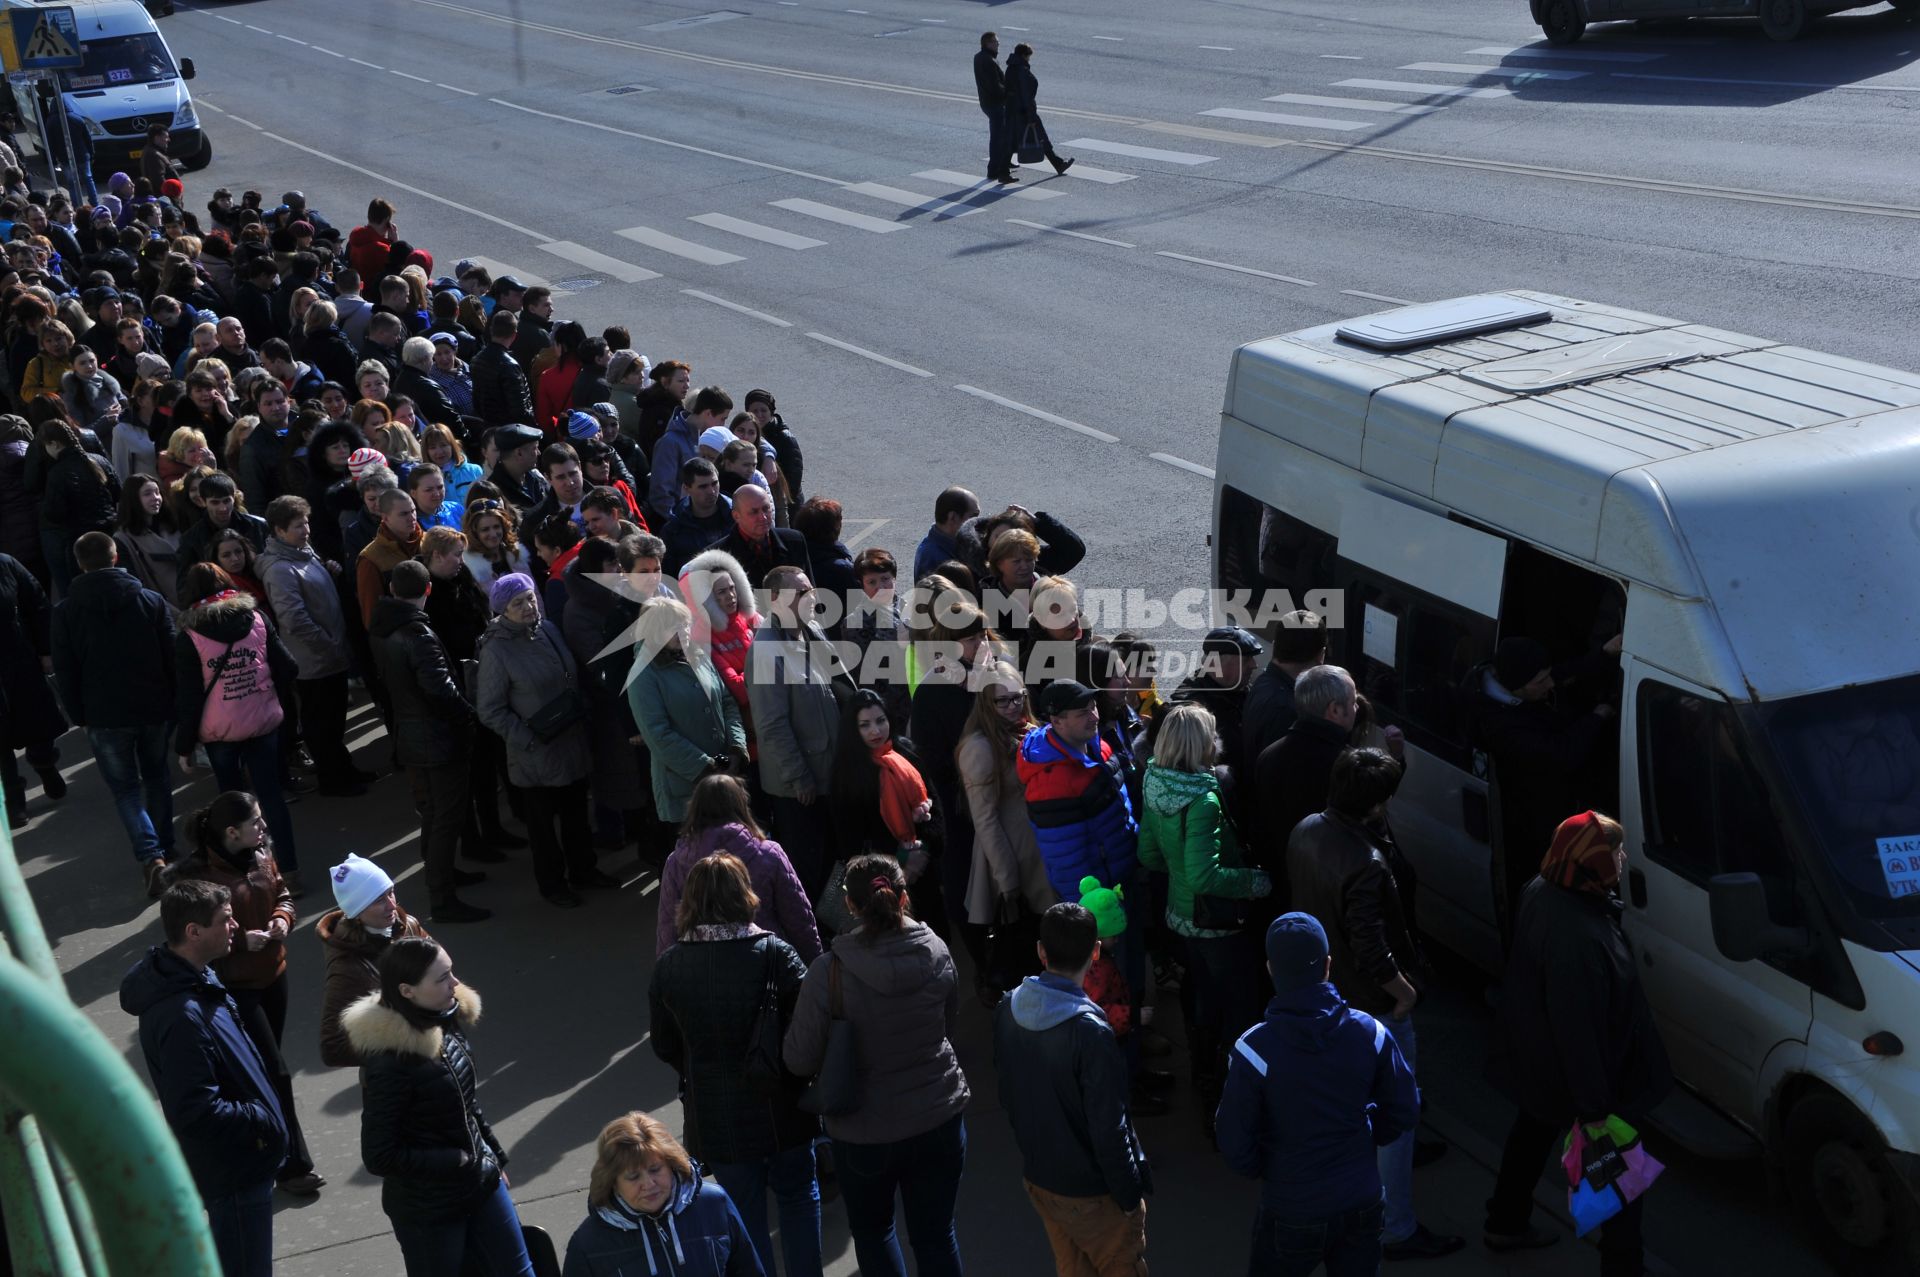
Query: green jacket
{"type": "Point", "coordinates": [1185, 834]}
{"type": "Point", "coordinates": [688, 718]}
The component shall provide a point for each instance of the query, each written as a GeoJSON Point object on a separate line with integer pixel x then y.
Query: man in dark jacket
{"type": "Point", "coordinates": [432, 726]}
{"type": "Point", "coordinates": [501, 396]}
{"type": "Point", "coordinates": [258, 471]}
{"type": "Point", "coordinates": [1341, 874]}
{"type": "Point", "coordinates": [253, 298]}
{"type": "Point", "coordinates": [213, 1085]}
{"type": "Point", "coordinates": [517, 475]}
{"type": "Point", "coordinates": [1299, 645]}
{"type": "Point", "coordinates": [1227, 654]}
{"type": "Point", "coordinates": [702, 518]}
{"type": "Point", "coordinates": [219, 511]}
{"type": "Point", "coordinates": [1312, 1092]}
{"type": "Point", "coordinates": [430, 402]}
{"type": "Point", "coordinates": [756, 543]}
{"type": "Point", "coordinates": [1290, 779]}
{"type": "Point", "coordinates": [113, 657]}
{"type": "Point", "coordinates": [990, 82]}
{"type": "Point", "coordinates": [1063, 1081]}
{"type": "Point", "coordinates": [103, 307]}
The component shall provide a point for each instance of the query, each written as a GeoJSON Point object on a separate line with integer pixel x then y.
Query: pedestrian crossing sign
{"type": "Point", "coordinates": [41, 39]}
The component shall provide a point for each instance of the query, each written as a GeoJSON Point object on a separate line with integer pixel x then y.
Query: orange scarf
{"type": "Point", "coordinates": [901, 793]}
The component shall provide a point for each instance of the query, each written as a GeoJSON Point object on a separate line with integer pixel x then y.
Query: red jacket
{"type": "Point", "coordinates": [369, 255]}
{"type": "Point", "coordinates": [553, 397]}
{"type": "Point", "coordinates": [1106, 985]}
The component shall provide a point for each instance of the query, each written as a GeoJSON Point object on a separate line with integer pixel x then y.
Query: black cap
{"type": "Point", "coordinates": [1230, 640]}
{"type": "Point", "coordinates": [1065, 695]}
{"type": "Point", "coordinates": [506, 284]}
{"type": "Point", "coordinates": [94, 296]}
{"type": "Point", "coordinates": [507, 438]}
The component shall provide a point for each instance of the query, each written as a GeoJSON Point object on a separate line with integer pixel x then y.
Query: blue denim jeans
{"type": "Point", "coordinates": [924, 1170]}
{"type": "Point", "coordinates": [260, 757]}
{"type": "Point", "coordinates": [1347, 1243]}
{"type": "Point", "coordinates": [133, 762]}
{"type": "Point", "coordinates": [1396, 1159]}
{"type": "Point", "coordinates": [242, 1227]}
{"type": "Point", "coordinates": [790, 1175]}
{"type": "Point", "coordinates": [488, 1242]}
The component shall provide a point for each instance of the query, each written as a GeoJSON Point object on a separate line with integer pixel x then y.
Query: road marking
{"type": "Point", "coordinates": [1181, 463]}
{"type": "Point", "coordinates": [1056, 230]}
{"type": "Point", "coordinates": [363, 62]}
{"type": "Point", "coordinates": [970, 182]}
{"type": "Point", "coordinates": [1218, 48]}
{"type": "Point", "coordinates": [1440, 90]}
{"type": "Point", "coordinates": [581, 255]}
{"type": "Point", "coordinates": [262, 30]}
{"type": "Point", "coordinates": [754, 230]}
{"type": "Point", "coordinates": [864, 353]}
{"type": "Point", "coordinates": [248, 123]}
{"type": "Point", "coordinates": [224, 18]}
{"type": "Point", "coordinates": [679, 247]}
{"type": "Point", "coordinates": [940, 204]}
{"type": "Point", "coordinates": [1016, 28]}
{"type": "Point", "coordinates": [662, 141]}
{"type": "Point", "coordinates": [1139, 152]}
{"type": "Point", "coordinates": [1342, 57]}
{"type": "Point", "coordinates": [1353, 104]}
{"type": "Point", "coordinates": [1036, 413]}
{"type": "Point", "coordinates": [828, 213]}
{"type": "Point", "coordinates": [1275, 117]}
{"type": "Point", "coordinates": [737, 308]}
{"type": "Point", "coordinates": [1564, 55]}
{"type": "Point", "coordinates": [457, 89]}
{"type": "Point", "coordinates": [936, 21]}
{"type": "Point", "coordinates": [1113, 38]}
{"type": "Point", "coordinates": [1104, 176]}
{"type": "Point", "coordinates": [861, 12]}
{"type": "Point", "coordinates": [1767, 84]}
{"type": "Point", "coordinates": [408, 188]}
{"type": "Point", "coordinates": [408, 75]}
{"type": "Point", "coordinates": [1510, 73]}
{"type": "Point", "coordinates": [498, 268]}
{"type": "Point", "coordinates": [1376, 297]}
{"type": "Point", "coordinates": [329, 52]}
{"type": "Point", "coordinates": [1239, 270]}
{"type": "Point", "coordinates": [290, 40]}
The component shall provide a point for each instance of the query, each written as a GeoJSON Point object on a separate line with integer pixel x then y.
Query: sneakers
{"type": "Point", "coordinates": [155, 873]}
{"type": "Point", "coordinates": [1535, 1238]}
{"type": "Point", "coordinates": [295, 888]}
{"type": "Point", "coordinates": [52, 781]}
{"type": "Point", "coordinates": [455, 909]}
{"type": "Point", "coordinates": [1423, 1243]}
{"type": "Point", "coordinates": [308, 1185]}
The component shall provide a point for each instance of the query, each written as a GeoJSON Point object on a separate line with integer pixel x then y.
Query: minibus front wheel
{"type": "Point", "coordinates": [1842, 1177]}
{"type": "Point", "coordinates": [1562, 21]}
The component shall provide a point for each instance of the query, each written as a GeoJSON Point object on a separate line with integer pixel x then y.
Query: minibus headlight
{"type": "Point", "coordinates": [184, 118]}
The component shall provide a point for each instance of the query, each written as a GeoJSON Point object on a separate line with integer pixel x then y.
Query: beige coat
{"type": "Point", "coordinates": [1005, 856]}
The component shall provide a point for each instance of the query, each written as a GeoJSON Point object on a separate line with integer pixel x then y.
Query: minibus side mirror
{"type": "Point", "coordinates": [1742, 928]}
{"type": "Point", "coordinates": [186, 68]}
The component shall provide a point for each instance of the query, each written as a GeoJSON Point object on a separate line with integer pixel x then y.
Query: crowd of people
{"type": "Point", "coordinates": [260, 467]}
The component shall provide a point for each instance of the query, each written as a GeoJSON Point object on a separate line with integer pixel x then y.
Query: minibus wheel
{"type": "Point", "coordinates": [1841, 1180]}
{"type": "Point", "coordinates": [1783, 20]}
{"type": "Point", "coordinates": [1561, 21]}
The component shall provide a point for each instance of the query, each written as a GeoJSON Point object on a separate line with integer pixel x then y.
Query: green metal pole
{"type": "Point", "coordinates": [28, 1215]}
{"type": "Point", "coordinates": [92, 1106]}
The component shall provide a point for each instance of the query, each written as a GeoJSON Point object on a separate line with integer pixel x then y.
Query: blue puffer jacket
{"type": "Point", "coordinates": [697, 1234]}
{"type": "Point", "coordinates": [1311, 1092]}
{"type": "Point", "coordinates": [1077, 804]}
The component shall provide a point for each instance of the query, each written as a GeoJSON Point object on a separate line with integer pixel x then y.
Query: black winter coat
{"type": "Point", "coordinates": [1574, 1036]}
{"type": "Point", "coordinates": [1289, 784]}
{"type": "Point", "coordinates": [1539, 756]}
{"type": "Point", "coordinates": [431, 402]}
{"type": "Point", "coordinates": [1023, 92]}
{"type": "Point", "coordinates": [458, 610]}
{"type": "Point", "coordinates": [1341, 876]}
{"type": "Point", "coordinates": [76, 501]}
{"type": "Point", "coordinates": [421, 1128]}
{"type": "Point", "coordinates": [253, 307]}
{"type": "Point", "coordinates": [113, 651]}
{"type": "Point", "coordinates": [28, 711]}
{"type": "Point", "coordinates": [501, 395]}
{"type": "Point", "coordinates": [331, 355]}
{"type": "Point", "coordinates": [431, 722]}
{"type": "Point", "coordinates": [786, 451]}
{"type": "Point", "coordinates": [703, 999]}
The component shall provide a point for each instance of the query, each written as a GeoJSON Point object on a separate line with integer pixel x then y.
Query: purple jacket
{"type": "Point", "coordinates": [784, 909]}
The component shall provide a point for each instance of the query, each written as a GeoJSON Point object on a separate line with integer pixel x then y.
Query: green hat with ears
{"type": "Point", "coordinates": [1105, 904]}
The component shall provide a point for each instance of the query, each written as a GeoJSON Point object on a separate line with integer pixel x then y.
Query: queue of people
{"type": "Point", "coordinates": [583, 595]}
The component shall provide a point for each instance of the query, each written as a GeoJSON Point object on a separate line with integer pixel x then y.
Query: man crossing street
{"type": "Point", "coordinates": [991, 83]}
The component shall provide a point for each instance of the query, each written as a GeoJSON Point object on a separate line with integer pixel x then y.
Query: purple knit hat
{"type": "Point", "coordinates": [509, 587]}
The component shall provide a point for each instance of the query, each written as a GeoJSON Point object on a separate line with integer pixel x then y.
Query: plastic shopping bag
{"type": "Point", "coordinates": [1607, 1166]}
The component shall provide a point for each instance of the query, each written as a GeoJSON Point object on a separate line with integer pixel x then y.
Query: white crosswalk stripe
{"type": "Point", "coordinates": [1565, 55]}
{"type": "Point", "coordinates": [754, 230]}
{"type": "Point", "coordinates": [678, 247]}
{"type": "Point", "coordinates": [1404, 86]}
{"type": "Point", "coordinates": [1508, 73]}
{"type": "Point", "coordinates": [1275, 117]}
{"type": "Point", "coordinates": [1104, 176]}
{"type": "Point", "coordinates": [581, 255]}
{"type": "Point", "coordinates": [938, 204]}
{"type": "Point", "coordinates": [963, 179]}
{"type": "Point", "coordinates": [1136, 152]}
{"type": "Point", "coordinates": [1352, 104]}
{"type": "Point", "coordinates": [499, 268]}
{"type": "Point", "coordinates": [828, 213]}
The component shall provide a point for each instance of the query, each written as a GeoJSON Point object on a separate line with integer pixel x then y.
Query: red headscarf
{"type": "Point", "coordinates": [1581, 857]}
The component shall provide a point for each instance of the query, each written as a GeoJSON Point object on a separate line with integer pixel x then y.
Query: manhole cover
{"type": "Point", "coordinates": [620, 89]}
{"type": "Point", "coordinates": [578, 285]}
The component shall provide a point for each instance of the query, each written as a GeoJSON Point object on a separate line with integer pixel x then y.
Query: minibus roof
{"type": "Point", "coordinates": [1779, 482]}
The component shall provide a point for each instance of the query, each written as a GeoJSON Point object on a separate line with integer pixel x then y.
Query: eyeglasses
{"type": "Point", "coordinates": [484, 504]}
{"type": "Point", "coordinates": [1009, 702]}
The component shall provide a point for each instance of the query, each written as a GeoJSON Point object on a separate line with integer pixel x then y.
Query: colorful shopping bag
{"type": "Point", "coordinates": [1607, 1166]}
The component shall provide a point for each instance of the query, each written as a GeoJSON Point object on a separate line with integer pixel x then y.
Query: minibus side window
{"type": "Point", "coordinates": [1264, 549]}
{"type": "Point", "coordinates": [1705, 810]}
{"type": "Point", "coordinates": [1414, 664]}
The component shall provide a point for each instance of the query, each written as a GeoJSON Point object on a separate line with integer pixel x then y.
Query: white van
{"type": "Point", "coordinates": [130, 81]}
{"type": "Point", "coordinates": [1748, 514]}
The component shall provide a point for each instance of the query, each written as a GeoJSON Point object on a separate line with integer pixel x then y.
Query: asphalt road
{"type": "Point", "coordinates": [785, 194]}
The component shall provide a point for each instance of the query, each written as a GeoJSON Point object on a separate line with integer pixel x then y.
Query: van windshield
{"type": "Point", "coordinates": [121, 59]}
{"type": "Point", "coordinates": [1853, 756]}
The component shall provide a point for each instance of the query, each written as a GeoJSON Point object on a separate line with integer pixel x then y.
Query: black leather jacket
{"type": "Point", "coordinates": [501, 396]}
{"type": "Point", "coordinates": [432, 722]}
{"type": "Point", "coordinates": [1342, 876]}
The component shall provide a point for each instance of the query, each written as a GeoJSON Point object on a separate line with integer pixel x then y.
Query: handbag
{"type": "Point", "coordinates": [1033, 145]}
{"type": "Point", "coordinates": [564, 710]}
{"type": "Point", "coordinates": [1216, 913]}
{"type": "Point", "coordinates": [836, 1088]}
{"type": "Point", "coordinates": [830, 910]}
{"type": "Point", "coordinates": [1607, 1166]}
{"type": "Point", "coordinates": [763, 1066]}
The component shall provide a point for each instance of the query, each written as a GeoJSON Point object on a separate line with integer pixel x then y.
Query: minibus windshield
{"type": "Point", "coordinates": [118, 60]}
{"type": "Point", "coordinates": [1853, 757]}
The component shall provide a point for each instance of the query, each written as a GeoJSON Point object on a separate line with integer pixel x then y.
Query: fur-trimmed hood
{"type": "Point", "coordinates": [374, 1029]}
{"type": "Point", "coordinates": [226, 620]}
{"type": "Point", "coordinates": [695, 589]}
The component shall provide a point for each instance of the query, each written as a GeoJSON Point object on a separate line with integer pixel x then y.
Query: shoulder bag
{"type": "Point", "coordinates": [763, 1066]}
{"type": "Point", "coordinates": [836, 1088]}
{"type": "Point", "coordinates": [565, 709]}
{"type": "Point", "coordinates": [1215, 913]}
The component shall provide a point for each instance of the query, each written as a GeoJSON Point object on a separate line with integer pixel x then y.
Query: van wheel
{"type": "Point", "coordinates": [1846, 1190]}
{"type": "Point", "coordinates": [1783, 20]}
{"type": "Point", "coordinates": [1561, 20]}
{"type": "Point", "coordinates": [202, 157]}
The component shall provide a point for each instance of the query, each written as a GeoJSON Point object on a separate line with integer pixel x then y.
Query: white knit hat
{"type": "Point", "coordinates": [357, 883]}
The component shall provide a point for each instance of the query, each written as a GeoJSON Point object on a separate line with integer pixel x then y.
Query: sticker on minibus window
{"type": "Point", "coordinates": [1380, 635]}
{"type": "Point", "coordinates": [85, 81]}
{"type": "Point", "coordinates": [1900, 865]}
{"type": "Point", "coordinates": [120, 75]}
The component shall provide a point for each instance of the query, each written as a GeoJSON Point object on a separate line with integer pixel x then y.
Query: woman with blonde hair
{"type": "Point", "coordinates": [1007, 887]}
{"type": "Point", "coordinates": [441, 446]}
{"type": "Point", "coordinates": [243, 428]}
{"type": "Point", "coordinates": [371, 380]}
{"type": "Point", "coordinates": [686, 716]}
{"type": "Point", "coordinates": [186, 448]}
{"type": "Point", "coordinates": [53, 361]}
{"type": "Point", "coordinates": [647, 1205]}
{"type": "Point", "coordinates": [493, 551]}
